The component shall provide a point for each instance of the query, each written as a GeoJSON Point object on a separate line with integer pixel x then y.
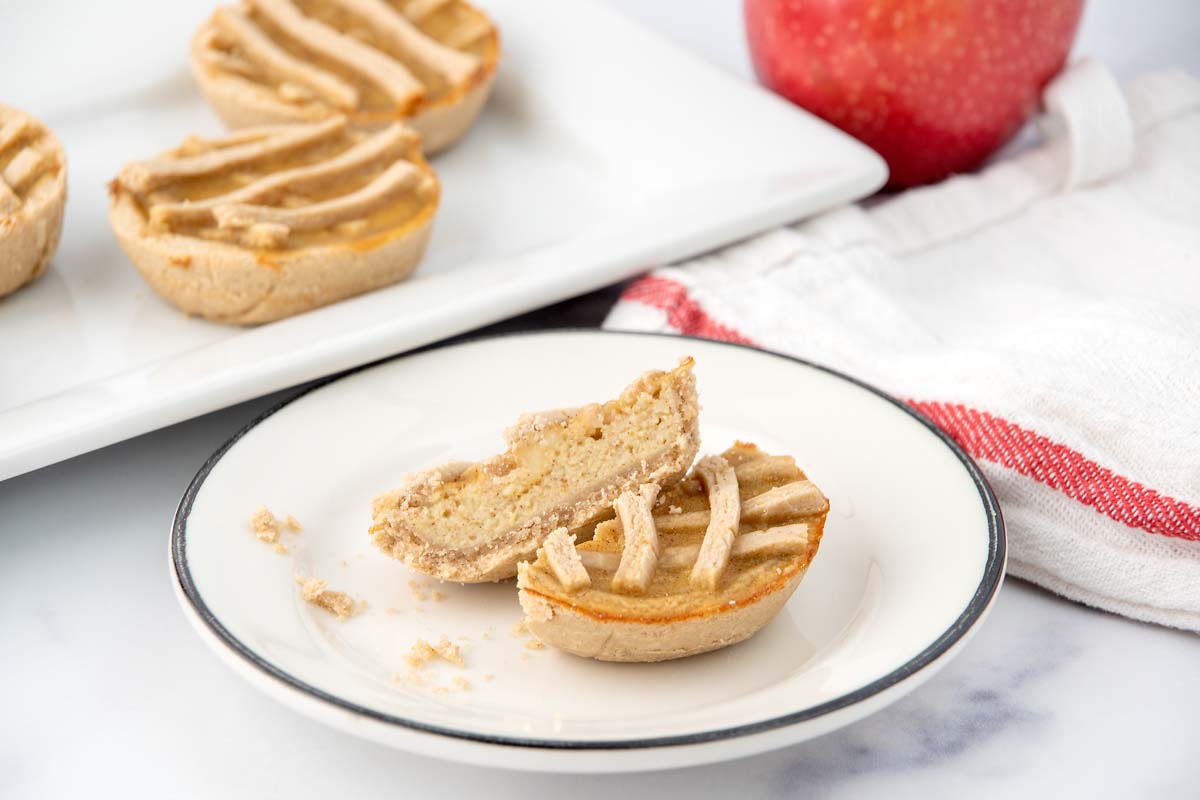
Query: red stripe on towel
{"type": "Point", "coordinates": [682, 311]}
{"type": "Point", "coordinates": [981, 434]}
{"type": "Point", "coordinates": [1055, 465]}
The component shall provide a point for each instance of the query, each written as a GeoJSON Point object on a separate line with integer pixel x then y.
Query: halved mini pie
{"type": "Point", "coordinates": [33, 193]}
{"type": "Point", "coordinates": [476, 522]}
{"type": "Point", "coordinates": [428, 63]}
{"type": "Point", "coordinates": [275, 220]}
{"type": "Point", "coordinates": [681, 571]}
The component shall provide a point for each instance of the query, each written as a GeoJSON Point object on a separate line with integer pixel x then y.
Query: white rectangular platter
{"type": "Point", "coordinates": [604, 150]}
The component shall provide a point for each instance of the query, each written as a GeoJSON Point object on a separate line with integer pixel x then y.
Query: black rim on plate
{"type": "Point", "coordinates": [988, 585]}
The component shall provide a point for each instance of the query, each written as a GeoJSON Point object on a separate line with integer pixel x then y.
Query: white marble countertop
{"type": "Point", "coordinates": [106, 691]}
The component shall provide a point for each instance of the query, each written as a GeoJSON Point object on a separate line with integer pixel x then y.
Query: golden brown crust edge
{"type": "Point", "coordinates": [573, 631]}
{"type": "Point", "coordinates": [241, 103]}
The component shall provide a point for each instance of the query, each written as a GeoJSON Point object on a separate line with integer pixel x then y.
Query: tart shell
{"type": "Point", "coordinates": [642, 640]}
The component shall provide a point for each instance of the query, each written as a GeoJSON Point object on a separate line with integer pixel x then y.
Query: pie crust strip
{"type": "Point", "coordinates": [367, 152]}
{"type": "Point", "coordinates": [405, 38]}
{"type": "Point", "coordinates": [272, 58]}
{"type": "Point", "coordinates": [24, 168]}
{"type": "Point", "coordinates": [13, 130]}
{"type": "Point", "coordinates": [418, 10]}
{"type": "Point", "coordinates": [145, 176]}
{"type": "Point", "coordinates": [468, 33]}
{"type": "Point", "coordinates": [9, 201]}
{"type": "Point", "coordinates": [721, 483]}
{"type": "Point", "coordinates": [400, 177]}
{"type": "Point", "coordinates": [770, 468]}
{"type": "Point", "coordinates": [801, 497]}
{"type": "Point", "coordinates": [640, 555]}
{"type": "Point", "coordinates": [565, 562]}
{"type": "Point", "coordinates": [392, 77]}
{"type": "Point", "coordinates": [784, 540]}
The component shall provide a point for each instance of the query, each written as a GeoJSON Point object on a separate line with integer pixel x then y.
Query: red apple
{"type": "Point", "coordinates": [935, 86]}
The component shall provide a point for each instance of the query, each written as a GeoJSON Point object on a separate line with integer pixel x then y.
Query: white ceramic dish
{"type": "Point", "coordinates": [583, 169]}
{"type": "Point", "coordinates": [912, 556]}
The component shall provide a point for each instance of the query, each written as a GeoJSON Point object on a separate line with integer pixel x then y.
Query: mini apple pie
{"type": "Point", "coordinates": [680, 571]}
{"type": "Point", "coordinates": [428, 63]}
{"type": "Point", "coordinates": [476, 522]}
{"type": "Point", "coordinates": [33, 192]}
{"type": "Point", "coordinates": [276, 220]}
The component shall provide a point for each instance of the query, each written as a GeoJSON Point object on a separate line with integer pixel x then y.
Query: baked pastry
{"type": "Point", "coordinates": [683, 570]}
{"type": "Point", "coordinates": [476, 522]}
{"type": "Point", "coordinates": [276, 220]}
{"type": "Point", "coordinates": [33, 193]}
{"type": "Point", "coordinates": [429, 63]}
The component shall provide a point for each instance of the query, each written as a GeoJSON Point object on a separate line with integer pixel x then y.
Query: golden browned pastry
{"type": "Point", "coordinates": [33, 193]}
{"type": "Point", "coordinates": [276, 220]}
{"type": "Point", "coordinates": [680, 571]}
{"type": "Point", "coordinates": [475, 522]}
{"type": "Point", "coordinates": [428, 63]}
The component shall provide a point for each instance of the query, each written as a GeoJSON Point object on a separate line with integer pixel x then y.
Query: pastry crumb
{"type": "Point", "coordinates": [535, 644]}
{"type": "Point", "coordinates": [281, 548]}
{"type": "Point", "coordinates": [422, 652]}
{"type": "Point", "coordinates": [265, 526]}
{"type": "Point", "coordinates": [419, 591]}
{"type": "Point", "coordinates": [485, 636]}
{"type": "Point", "coordinates": [437, 596]}
{"type": "Point", "coordinates": [461, 683]}
{"type": "Point", "coordinates": [519, 629]}
{"type": "Point", "coordinates": [391, 612]}
{"type": "Point", "coordinates": [315, 591]}
{"type": "Point", "coordinates": [524, 656]}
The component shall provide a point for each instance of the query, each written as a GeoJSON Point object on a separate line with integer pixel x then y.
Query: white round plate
{"type": "Point", "coordinates": [912, 556]}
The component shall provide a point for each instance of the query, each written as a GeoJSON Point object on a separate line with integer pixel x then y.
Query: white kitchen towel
{"type": "Point", "coordinates": [1045, 313]}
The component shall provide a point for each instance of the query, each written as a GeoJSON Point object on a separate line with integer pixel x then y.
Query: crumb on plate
{"type": "Point", "coordinates": [315, 591]}
{"type": "Point", "coordinates": [422, 652]}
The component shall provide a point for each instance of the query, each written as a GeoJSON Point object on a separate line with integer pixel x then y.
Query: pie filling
{"type": "Point", "coordinates": [376, 58]}
{"type": "Point", "coordinates": [285, 187]}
